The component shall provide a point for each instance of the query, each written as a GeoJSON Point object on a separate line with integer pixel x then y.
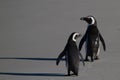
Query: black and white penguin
{"type": "Point", "coordinates": [92, 38]}
{"type": "Point", "coordinates": [72, 54]}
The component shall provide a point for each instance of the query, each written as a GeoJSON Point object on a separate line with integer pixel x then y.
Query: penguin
{"type": "Point", "coordinates": [72, 55]}
{"type": "Point", "coordinates": [92, 37]}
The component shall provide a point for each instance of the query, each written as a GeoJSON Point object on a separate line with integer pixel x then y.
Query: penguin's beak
{"type": "Point", "coordinates": [83, 18]}
{"type": "Point", "coordinates": [78, 35]}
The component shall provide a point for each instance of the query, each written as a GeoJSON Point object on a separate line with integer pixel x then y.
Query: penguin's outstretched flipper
{"type": "Point", "coordinates": [103, 42]}
{"type": "Point", "coordinates": [82, 42]}
{"type": "Point", "coordinates": [60, 57]}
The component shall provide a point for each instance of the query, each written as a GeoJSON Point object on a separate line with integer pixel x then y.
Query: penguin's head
{"type": "Point", "coordinates": [89, 19]}
{"type": "Point", "coordinates": [74, 36]}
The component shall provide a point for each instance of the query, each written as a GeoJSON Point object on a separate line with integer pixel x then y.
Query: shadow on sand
{"type": "Point", "coordinates": [44, 59]}
{"type": "Point", "coordinates": [32, 74]}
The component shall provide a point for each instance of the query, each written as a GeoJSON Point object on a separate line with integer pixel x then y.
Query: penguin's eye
{"type": "Point", "coordinates": [76, 36]}
{"type": "Point", "coordinates": [90, 20]}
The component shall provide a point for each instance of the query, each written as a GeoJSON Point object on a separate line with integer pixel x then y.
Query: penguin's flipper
{"type": "Point", "coordinates": [60, 57]}
{"type": "Point", "coordinates": [103, 42]}
{"type": "Point", "coordinates": [82, 41]}
{"type": "Point", "coordinates": [82, 58]}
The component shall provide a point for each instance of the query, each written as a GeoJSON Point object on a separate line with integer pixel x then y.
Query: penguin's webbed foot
{"type": "Point", "coordinates": [76, 74]}
{"type": "Point", "coordinates": [96, 58]}
{"type": "Point", "coordinates": [68, 74]}
{"type": "Point", "coordinates": [86, 60]}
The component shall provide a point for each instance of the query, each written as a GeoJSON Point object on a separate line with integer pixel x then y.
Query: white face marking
{"type": "Point", "coordinates": [93, 20]}
{"type": "Point", "coordinates": [73, 38]}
